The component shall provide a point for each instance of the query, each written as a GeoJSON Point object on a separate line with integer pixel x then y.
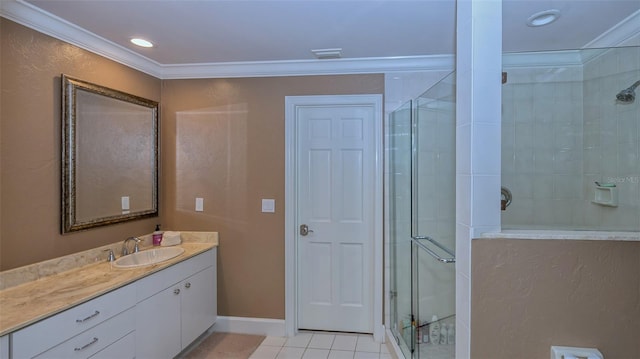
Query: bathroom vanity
{"type": "Point", "coordinates": [82, 331]}
{"type": "Point", "coordinates": [149, 312]}
{"type": "Point", "coordinates": [174, 307]}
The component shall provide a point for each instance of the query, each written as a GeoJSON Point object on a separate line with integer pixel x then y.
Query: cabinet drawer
{"type": "Point", "coordinates": [38, 337]}
{"type": "Point", "coordinates": [124, 348]}
{"type": "Point", "coordinates": [88, 343]}
{"type": "Point", "coordinates": [163, 279]}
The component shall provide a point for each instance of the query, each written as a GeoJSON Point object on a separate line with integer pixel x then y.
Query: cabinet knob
{"type": "Point", "coordinates": [187, 285]}
{"type": "Point", "coordinates": [176, 291]}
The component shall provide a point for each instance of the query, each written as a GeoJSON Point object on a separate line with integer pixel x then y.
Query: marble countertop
{"type": "Point", "coordinates": [26, 303]}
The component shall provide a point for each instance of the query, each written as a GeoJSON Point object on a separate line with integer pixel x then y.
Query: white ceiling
{"type": "Point", "coordinates": [190, 32]}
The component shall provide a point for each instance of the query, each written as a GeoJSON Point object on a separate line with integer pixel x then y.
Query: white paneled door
{"type": "Point", "coordinates": [335, 172]}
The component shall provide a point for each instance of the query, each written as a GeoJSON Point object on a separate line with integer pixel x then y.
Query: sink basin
{"type": "Point", "coordinates": [148, 257]}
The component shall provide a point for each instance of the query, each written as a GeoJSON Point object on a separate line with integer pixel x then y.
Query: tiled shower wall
{"type": "Point", "coordinates": [562, 130]}
{"type": "Point", "coordinates": [612, 138]}
{"type": "Point", "coordinates": [542, 146]}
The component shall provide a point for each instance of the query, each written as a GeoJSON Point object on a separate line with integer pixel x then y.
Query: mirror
{"type": "Point", "coordinates": [109, 155]}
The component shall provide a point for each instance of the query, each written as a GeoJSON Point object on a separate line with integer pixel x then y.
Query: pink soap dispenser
{"type": "Point", "coordinates": [156, 237]}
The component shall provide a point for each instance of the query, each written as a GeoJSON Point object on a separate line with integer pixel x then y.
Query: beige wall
{"type": "Point", "coordinates": [228, 136]}
{"type": "Point", "coordinates": [30, 68]}
{"type": "Point", "coordinates": [528, 295]}
{"type": "Point", "coordinates": [222, 140]}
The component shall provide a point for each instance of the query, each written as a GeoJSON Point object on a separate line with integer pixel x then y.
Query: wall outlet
{"type": "Point", "coordinates": [199, 204]}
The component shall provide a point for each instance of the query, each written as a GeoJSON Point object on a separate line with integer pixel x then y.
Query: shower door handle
{"type": "Point", "coordinates": [416, 241]}
{"type": "Point", "coordinates": [304, 230]}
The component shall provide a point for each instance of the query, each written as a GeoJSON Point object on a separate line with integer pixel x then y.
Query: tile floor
{"type": "Point", "coordinates": [310, 345]}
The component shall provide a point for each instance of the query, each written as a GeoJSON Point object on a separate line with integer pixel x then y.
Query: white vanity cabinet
{"type": "Point", "coordinates": [4, 347]}
{"type": "Point", "coordinates": [197, 298]}
{"type": "Point", "coordinates": [175, 306]}
{"type": "Point", "coordinates": [155, 317]}
{"type": "Point", "coordinates": [81, 331]}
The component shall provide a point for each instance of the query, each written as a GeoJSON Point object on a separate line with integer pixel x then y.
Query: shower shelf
{"type": "Point", "coordinates": [606, 196]}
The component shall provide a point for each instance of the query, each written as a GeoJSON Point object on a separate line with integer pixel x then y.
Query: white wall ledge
{"type": "Point", "coordinates": [563, 235]}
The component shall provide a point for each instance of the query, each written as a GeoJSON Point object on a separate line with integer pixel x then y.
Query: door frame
{"type": "Point", "coordinates": [291, 265]}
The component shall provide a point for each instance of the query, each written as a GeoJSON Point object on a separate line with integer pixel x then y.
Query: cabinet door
{"type": "Point", "coordinates": [4, 347]}
{"type": "Point", "coordinates": [199, 304]}
{"type": "Point", "coordinates": [158, 325]}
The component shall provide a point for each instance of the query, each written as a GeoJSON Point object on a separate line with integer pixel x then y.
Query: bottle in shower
{"type": "Point", "coordinates": [434, 330]}
{"type": "Point", "coordinates": [443, 334]}
{"type": "Point", "coordinates": [451, 334]}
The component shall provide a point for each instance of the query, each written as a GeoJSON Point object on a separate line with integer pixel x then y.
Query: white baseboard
{"type": "Point", "coordinates": [245, 325]}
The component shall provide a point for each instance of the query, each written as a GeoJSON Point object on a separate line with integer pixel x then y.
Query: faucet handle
{"type": "Point", "coordinates": [136, 248]}
{"type": "Point", "coordinates": [110, 257]}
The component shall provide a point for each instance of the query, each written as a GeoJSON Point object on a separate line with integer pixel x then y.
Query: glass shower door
{"type": "Point", "coordinates": [399, 227]}
{"type": "Point", "coordinates": [421, 156]}
{"type": "Point", "coordinates": [433, 220]}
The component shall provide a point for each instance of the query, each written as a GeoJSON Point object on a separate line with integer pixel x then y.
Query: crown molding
{"type": "Point", "coordinates": [49, 24]}
{"type": "Point", "coordinates": [542, 59]}
{"type": "Point", "coordinates": [46, 23]}
{"type": "Point", "coordinates": [618, 34]}
{"type": "Point", "coordinates": [309, 67]}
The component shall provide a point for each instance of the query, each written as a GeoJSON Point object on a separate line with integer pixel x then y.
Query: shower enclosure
{"type": "Point", "coordinates": [570, 161]}
{"type": "Point", "coordinates": [422, 223]}
{"type": "Point", "coordinates": [571, 140]}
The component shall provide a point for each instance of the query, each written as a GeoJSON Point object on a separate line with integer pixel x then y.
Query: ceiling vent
{"type": "Point", "coordinates": [322, 54]}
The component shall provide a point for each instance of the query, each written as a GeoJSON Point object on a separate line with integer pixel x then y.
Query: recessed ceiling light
{"type": "Point", "coordinates": [141, 42]}
{"type": "Point", "coordinates": [543, 18]}
{"type": "Point", "coordinates": [335, 53]}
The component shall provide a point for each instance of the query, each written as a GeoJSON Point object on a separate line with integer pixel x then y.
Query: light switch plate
{"type": "Point", "coordinates": [199, 204]}
{"type": "Point", "coordinates": [268, 205]}
{"type": "Point", "coordinates": [125, 202]}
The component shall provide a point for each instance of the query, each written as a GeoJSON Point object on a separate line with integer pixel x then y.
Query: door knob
{"type": "Point", "coordinates": [304, 230]}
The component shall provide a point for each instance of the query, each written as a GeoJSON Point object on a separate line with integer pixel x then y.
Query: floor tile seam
{"type": "Point", "coordinates": [332, 348]}
{"type": "Point", "coordinates": [351, 352]}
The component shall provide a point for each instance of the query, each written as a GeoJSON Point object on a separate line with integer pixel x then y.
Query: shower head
{"type": "Point", "coordinates": [628, 95]}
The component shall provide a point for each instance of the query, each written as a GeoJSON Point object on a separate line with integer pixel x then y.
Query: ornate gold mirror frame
{"type": "Point", "coordinates": [109, 156]}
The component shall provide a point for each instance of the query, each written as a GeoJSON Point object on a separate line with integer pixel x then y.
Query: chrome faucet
{"type": "Point", "coordinates": [110, 256]}
{"type": "Point", "coordinates": [136, 248]}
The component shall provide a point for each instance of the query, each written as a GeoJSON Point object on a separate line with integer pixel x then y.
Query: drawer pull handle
{"type": "Point", "coordinates": [87, 318]}
{"type": "Point", "coordinates": [176, 291]}
{"type": "Point", "coordinates": [187, 285]}
{"type": "Point", "coordinates": [95, 340]}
